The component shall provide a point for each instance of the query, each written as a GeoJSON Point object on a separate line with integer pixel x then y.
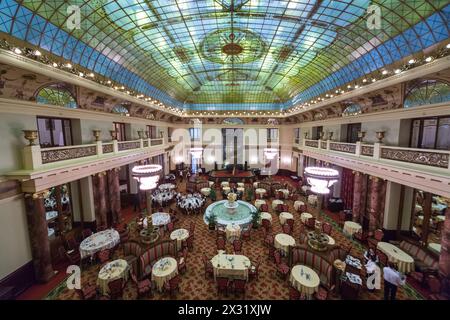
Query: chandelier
{"type": "Point", "coordinates": [321, 178]}
{"type": "Point", "coordinates": [147, 175]}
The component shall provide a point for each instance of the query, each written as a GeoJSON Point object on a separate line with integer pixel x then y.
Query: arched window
{"type": "Point", "coordinates": [427, 92]}
{"type": "Point", "coordinates": [120, 109]}
{"type": "Point", "coordinates": [352, 110]}
{"type": "Point", "coordinates": [56, 94]}
{"type": "Point", "coordinates": [233, 121]}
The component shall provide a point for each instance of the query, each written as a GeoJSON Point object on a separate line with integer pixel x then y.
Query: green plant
{"type": "Point", "coordinates": [256, 217]}
{"type": "Point", "coordinates": [249, 194]}
{"type": "Point", "coordinates": [212, 220]}
{"type": "Point", "coordinates": [212, 194]}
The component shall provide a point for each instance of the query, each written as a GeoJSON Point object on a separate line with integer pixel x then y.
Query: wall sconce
{"type": "Point", "coordinates": [321, 134]}
{"type": "Point", "coordinates": [380, 136]}
{"type": "Point", "coordinates": [361, 135]}
{"type": "Point", "coordinates": [31, 136]}
{"type": "Point", "coordinates": [141, 134]}
{"type": "Point", "coordinates": [96, 134]}
{"type": "Point", "coordinates": [113, 134]}
{"type": "Point", "coordinates": [330, 135]}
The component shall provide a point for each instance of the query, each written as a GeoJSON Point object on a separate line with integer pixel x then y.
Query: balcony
{"type": "Point", "coordinates": [420, 168]}
{"type": "Point", "coordinates": [44, 167]}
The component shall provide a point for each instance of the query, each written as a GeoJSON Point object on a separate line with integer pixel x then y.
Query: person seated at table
{"type": "Point", "coordinates": [371, 255]}
{"type": "Point", "coordinates": [392, 279]}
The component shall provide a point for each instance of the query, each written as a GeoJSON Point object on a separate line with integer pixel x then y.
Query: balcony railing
{"type": "Point", "coordinates": [425, 157]}
{"type": "Point", "coordinates": [35, 156]}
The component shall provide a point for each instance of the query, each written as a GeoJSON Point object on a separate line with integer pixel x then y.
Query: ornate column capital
{"type": "Point", "coordinates": [37, 195]}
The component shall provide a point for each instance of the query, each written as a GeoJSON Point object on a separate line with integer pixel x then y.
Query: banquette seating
{"type": "Point", "coordinates": [320, 264]}
{"type": "Point", "coordinates": [150, 256]}
{"type": "Point", "coordinates": [132, 250]}
{"type": "Point", "coordinates": [423, 260]}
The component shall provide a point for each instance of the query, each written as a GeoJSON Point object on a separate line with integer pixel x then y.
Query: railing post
{"type": "Point", "coordinates": [358, 148]}
{"type": "Point", "coordinates": [319, 144]}
{"type": "Point", "coordinates": [32, 158]}
{"type": "Point", "coordinates": [149, 142]}
{"type": "Point", "coordinates": [304, 142]}
{"type": "Point", "coordinates": [376, 150]}
{"type": "Point", "coordinates": [141, 143]}
{"type": "Point", "coordinates": [115, 146]}
{"type": "Point", "coordinates": [328, 144]}
{"type": "Point", "coordinates": [99, 148]}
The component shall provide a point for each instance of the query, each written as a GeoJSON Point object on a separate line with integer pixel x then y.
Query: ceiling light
{"type": "Point", "coordinates": [54, 64]}
{"type": "Point", "coordinates": [411, 61]}
{"type": "Point", "coordinates": [37, 53]}
{"type": "Point", "coordinates": [81, 74]}
{"type": "Point", "coordinates": [448, 46]}
{"type": "Point", "coordinates": [68, 65]}
{"type": "Point", "coordinates": [428, 59]}
{"type": "Point", "coordinates": [384, 72]}
{"type": "Point", "coordinates": [364, 80]}
{"type": "Point", "coordinates": [373, 80]}
{"type": "Point", "coordinates": [91, 75]}
{"type": "Point", "coordinates": [397, 71]}
{"type": "Point", "coordinates": [17, 51]}
{"type": "Point", "coordinates": [108, 82]}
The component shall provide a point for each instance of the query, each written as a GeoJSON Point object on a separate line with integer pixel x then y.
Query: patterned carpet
{"type": "Point", "coordinates": [269, 286]}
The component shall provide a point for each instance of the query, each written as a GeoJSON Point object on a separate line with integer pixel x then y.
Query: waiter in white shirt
{"type": "Point", "coordinates": [392, 279]}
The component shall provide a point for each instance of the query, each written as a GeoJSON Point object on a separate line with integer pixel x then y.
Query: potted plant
{"type": "Point", "coordinates": [212, 194]}
{"type": "Point", "coordinates": [249, 194]}
{"type": "Point", "coordinates": [256, 217]}
{"type": "Point", "coordinates": [212, 221]}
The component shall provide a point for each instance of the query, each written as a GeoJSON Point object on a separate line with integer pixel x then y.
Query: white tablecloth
{"type": "Point", "coordinates": [233, 232]}
{"type": "Point", "coordinates": [276, 202]}
{"type": "Point", "coordinates": [163, 270]}
{"type": "Point", "coordinates": [240, 189]}
{"type": "Point", "coordinates": [436, 247]}
{"type": "Point", "coordinates": [298, 205]}
{"type": "Point", "coordinates": [304, 279]}
{"type": "Point", "coordinates": [160, 219]}
{"type": "Point", "coordinates": [231, 266]}
{"type": "Point", "coordinates": [205, 191]}
{"type": "Point", "coordinates": [211, 183]}
{"type": "Point", "coordinates": [285, 192]}
{"type": "Point", "coordinates": [305, 216]}
{"type": "Point", "coordinates": [179, 235]}
{"type": "Point", "coordinates": [224, 184]}
{"type": "Point", "coordinates": [96, 242]}
{"type": "Point", "coordinates": [259, 202]}
{"type": "Point", "coordinates": [226, 189]}
{"type": "Point", "coordinates": [260, 191]}
{"type": "Point", "coordinates": [331, 240]}
{"type": "Point", "coordinates": [283, 241]}
{"type": "Point", "coordinates": [111, 271]}
{"type": "Point", "coordinates": [404, 261]}
{"type": "Point", "coordinates": [241, 184]}
{"type": "Point", "coordinates": [167, 186]}
{"type": "Point", "coordinates": [163, 197]}
{"type": "Point", "coordinates": [49, 215]}
{"type": "Point", "coordinates": [266, 215]}
{"type": "Point", "coordinates": [351, 227]}
{"type": "Point", "coordinates": [255, 184]}
{"type": "Point", "coordinates": [312, 199]}
{"type": "Point", "coordinates": [284, 216]}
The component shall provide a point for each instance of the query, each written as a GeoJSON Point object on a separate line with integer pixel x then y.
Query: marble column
{"type": "Point", "coordinates": [375, 200]}
{"type": "Point", "coordinates": [40, 244]}
{"type": "Point", "coordinates": [114, 194]}
{"type": "Point", "coordinates": [444, 257]}
{"type": "Point", "coordinates": [100, 206]}
{"type": "Point", "coordinates": [358, 196]}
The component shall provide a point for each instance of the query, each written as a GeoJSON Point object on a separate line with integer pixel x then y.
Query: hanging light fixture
{"type": "Point", "coordinates": [147, 175]}
{"type": "Point", "coordinates": [321, 178]}
{"type": "Point", "coordinates": [270, 153]}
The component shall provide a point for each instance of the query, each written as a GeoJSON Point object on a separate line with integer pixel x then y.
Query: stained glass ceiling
{"type": "Point", "coordinates": [229, 54]}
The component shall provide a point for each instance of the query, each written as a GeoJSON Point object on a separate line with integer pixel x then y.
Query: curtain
{"type": "Point", "coordinates": [347, 188]}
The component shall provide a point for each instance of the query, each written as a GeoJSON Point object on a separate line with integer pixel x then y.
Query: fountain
{"type": "Point", "coordinates": [231, 204]}
{"type": "Point", "coordinates": [230, 211]}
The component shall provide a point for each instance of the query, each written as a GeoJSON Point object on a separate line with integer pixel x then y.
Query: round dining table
{"type": "Point", "coordinates": [224, 184]}
{"type": "Point", "coordinates": [261, 191]}
{"type": "Point", "coordinates": [284, 191]}
{"type": "Point", "coordinates": [276, 202]}
{"type": "Point", "coordinates": [305, 280]}
{"type": "Point", "coordinates": [283, 241]}
{"type": "Point", "coordinates": [305, 216]}
{"type": "Point", "coordinates": [96, 242]}
{"type": "Point", "coordinates": [205, 191]}
{"type": "Point", "coordinates": [299, 205]}
{"type": "Point", "coordinates": [284, 216]}
{"type": "Point", "coordinates": [396, 255]}
{"type": "Point", "coordinates": [259, 202]}
{"type": "Point", "coordinates": [266, 215]}
{"type": "Point", "coordinates": [226, 189]}
{"type": "Point", "coordinates": [111, 271]}
{"type": "Point", "coordinates": [351, 227]}
{"type": "Point", "coordinates": [233, 232]}
{"type": "Point", "coordinates": [241, 185]}
{"type": "Point", "coordinates": [179, 235]}
{"type": "Point", "coordinates": [163, 270]}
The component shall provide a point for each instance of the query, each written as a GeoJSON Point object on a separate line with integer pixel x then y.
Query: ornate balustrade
{"type": "Point", "coordinates": [377, 151]}
{"type": "Point", "coordinates": [433, 158]}
{"type": "Point", "coordinates": [49, 155]}
{"type": "Point", "coordinates": [35, 156]}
